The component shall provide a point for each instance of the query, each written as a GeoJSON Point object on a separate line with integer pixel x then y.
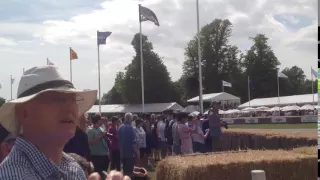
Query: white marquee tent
{"type": "Point", "coordinates": [135, 108]}
{"type": "Point", "coordinates": [223, 97]}
{"type": "Point", "coordinates": [284, 101]}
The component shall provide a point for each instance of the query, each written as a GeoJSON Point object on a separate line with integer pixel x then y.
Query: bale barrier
{"type": "Point", "coordinates": [235, 139]}
{"type": "Point", "coordinates": [278, 165]}
{"type": "Point", "coordinates": [312, 150]}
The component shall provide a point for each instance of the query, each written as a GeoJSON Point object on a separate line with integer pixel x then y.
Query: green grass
{"type": "Point", "coordinates": [275, 126]}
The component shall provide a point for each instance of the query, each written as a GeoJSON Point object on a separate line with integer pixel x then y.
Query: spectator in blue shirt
{"type": "Point", "coordinates": [129, 153]}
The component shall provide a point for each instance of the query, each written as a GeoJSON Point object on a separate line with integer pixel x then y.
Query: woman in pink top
{"type": "Point", "coordinates": [185, 136]}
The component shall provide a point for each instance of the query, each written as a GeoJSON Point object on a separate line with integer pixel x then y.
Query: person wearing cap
{"type": "Point", "coordinates": [215, 125]}
{"type": "Point", "coordinates": [6, 143]}
{"type": "Point", "coordinates": [44, 116]}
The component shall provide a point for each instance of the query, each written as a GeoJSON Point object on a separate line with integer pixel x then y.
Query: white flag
{"type": "Point", "coordinates": [281, 75]}
{"type": "Point", "coordinates": [227, 84]}
{"type": "Point", "coordinates": [314, 73]}
{"type": "Point", "coordinates": [50, 63]}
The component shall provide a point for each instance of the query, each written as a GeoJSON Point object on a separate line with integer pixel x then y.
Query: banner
{"type": "Point", "coordinates": [307, 119]}
{"type": "Point", "coordinates": [251, 121]}
{"type": "Point", "coordinates": [279, 120]}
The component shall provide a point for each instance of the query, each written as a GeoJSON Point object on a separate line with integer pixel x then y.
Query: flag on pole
{"type": "Point", "coordinates": [147, 15]}
{"type": "Point", "coordinates": [281, 75]}
{"type": "Point", "coordinates": [314, 73]}
{"type": "Point", "coordinates": [226, 84]}
{"type": "Point", "coordinates": [73, 54]}
{"type": "Point", "coordinates": [102, 37]}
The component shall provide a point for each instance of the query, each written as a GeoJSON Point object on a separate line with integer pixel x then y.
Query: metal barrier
{"type": "Point", "coordinates": [258, 175]}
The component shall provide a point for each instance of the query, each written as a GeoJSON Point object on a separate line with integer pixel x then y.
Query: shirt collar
{"type": "Point", "coordinates": [40, 162]}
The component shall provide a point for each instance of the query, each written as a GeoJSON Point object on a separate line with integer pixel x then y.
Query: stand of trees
{"type": "Point", "coordinates": [221, 60]}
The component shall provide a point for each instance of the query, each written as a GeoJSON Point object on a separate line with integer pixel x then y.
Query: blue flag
{"type": "Point", "coordinates": [102, 37]}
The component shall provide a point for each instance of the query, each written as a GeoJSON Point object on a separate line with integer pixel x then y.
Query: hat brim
{"type": "Point", "coordinates": [8, 117]}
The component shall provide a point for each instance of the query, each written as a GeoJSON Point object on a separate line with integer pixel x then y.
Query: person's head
{"type": "Point", "coordinates": [190, 118]}
{"type": "Point", "coordinates": [128, 117]}
{"type": "Point", "coordinates": [147, 117]}
{"type": "Point", "coordinates": [6, 143]}
{"type": "Point", "coordinates": [96, 120]}
{"type": "Point", "coordinates": [215, 105]}
{"type": "Point", "coordinates": [46, 111]}
{"type": "Point", "coordinates": [182, 117]}
{"type": "Point", "coordinates": [152, 118]}
{"type": "Point", "coordinates": [85, 165]}
{"type": "Point", "coordinates": [134, 117]}
{"type": "Point", "coordinates": [168, 113]}
{"type": "Point", "coordinates": [115, 121]}
{"type": "Point", "coordinates": [138, 123]}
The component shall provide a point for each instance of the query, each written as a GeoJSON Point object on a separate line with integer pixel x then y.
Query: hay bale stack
{"type": "Point", "coordinates": [312, 150]}
{"type": "Point", "coordinates": [233, 139]}
{"type": "Point", "coordinates": [278, 165]}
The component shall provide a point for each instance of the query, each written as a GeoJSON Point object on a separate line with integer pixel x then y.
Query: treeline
{"type": "Point", "coordinates": [221, 61]}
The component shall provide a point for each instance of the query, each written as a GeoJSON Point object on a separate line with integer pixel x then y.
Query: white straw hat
{"type": "Point", "coordinates": [36, 81]}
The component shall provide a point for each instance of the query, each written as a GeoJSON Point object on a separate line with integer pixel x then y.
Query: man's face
{"type": "Point", "coordinates": [216, 106]}
{"type": "Point", "coordinates": [51, 114]}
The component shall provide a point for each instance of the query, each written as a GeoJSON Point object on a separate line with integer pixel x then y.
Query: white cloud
{"type": "Point", "coordinates": [7, 42]}
{"type": "Point", "coordinates": [34, 42]}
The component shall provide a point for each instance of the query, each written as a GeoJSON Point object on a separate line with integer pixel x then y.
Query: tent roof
{"type": "Point", "coordinates": [135, 108]}
{"type": "Point", "coordinates": [222, 96]}
{"type": "Point", "coordinates": [284, 101]}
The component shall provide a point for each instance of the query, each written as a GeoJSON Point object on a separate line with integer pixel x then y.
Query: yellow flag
{"type": "Point", "coordinates": [73, 54]}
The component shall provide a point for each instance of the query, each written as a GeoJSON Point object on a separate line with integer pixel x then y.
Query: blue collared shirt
{"type": "Point", "coordinates": [26, 162]}
{"type": "Point", "coordinates": [127, 138]}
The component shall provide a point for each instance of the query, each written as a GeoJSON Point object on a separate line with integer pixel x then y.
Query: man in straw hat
{"type": "Point", "coordinates": [44, 116]}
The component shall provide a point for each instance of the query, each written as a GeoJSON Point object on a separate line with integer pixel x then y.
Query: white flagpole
{"type": "Point", "coordinates": [278, 89]}
{"type": "Point", "coordinates": [199, 59]}
{"type": "Point", "coordinates": [141, 62]}
{"type": "Point", "coordinates": [312, 90]}
{"type": "Point", "coordinates": [11, 85]}
{"type": "Point", "coordinates": [249, 90]}
{"type": "Point", "coordinates": [23, 70]}
{"type": "Point", "coordinates": [47, 61]}
{"type": "Point", "coordinates": [99, 84]}
{"type": "Point", "coordinates": [70, 64]}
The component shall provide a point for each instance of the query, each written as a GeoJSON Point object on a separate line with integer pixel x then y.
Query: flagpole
{"type": "Point", "coordinates": [278, 89]}
{"type": "Point", "coordinates": [249, 90]}
{"type": "Point", "coordinates": [199, 59]}
{"type": "Point", "coordinates": [141, 62]}
{"type": "Point", "coordinates": [70, 64]}
{"type": "Point", "coordinates": [47, 61]}
{"type": "Point", "coordinates": [11, 85]}
{"type": "Point", "coordinates": [99, 84]}
{"type": "Point", "coordinates": [23, 70]}
{"type": "Point", "coordinates": [312, 90]}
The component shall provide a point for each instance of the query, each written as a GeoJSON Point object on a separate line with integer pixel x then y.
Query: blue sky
{"type": "Point", "coordinates": [34, 30]}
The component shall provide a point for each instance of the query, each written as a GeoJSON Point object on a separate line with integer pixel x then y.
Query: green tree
{"type": "Point", "coordinates": [260, 64]}
{"type": "Point", "coordinates": [220, 61]}
{"type": "Point", "coordinates": [2, 101]}
{"type": "Point", "coordinates": [157, 82]}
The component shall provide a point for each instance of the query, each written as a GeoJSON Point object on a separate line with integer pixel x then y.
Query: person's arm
{"type": "Point", "coordinates": [92, 137]}
{"type": "Point", "coordinates": [134, 143]}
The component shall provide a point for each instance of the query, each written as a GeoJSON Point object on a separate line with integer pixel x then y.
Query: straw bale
{"type": "Point", "coordinates": [278, 165]}
{"type": "Point", "coordinates": [312, 150]}
{"type": "Point", "coordinates": [266, 139]}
